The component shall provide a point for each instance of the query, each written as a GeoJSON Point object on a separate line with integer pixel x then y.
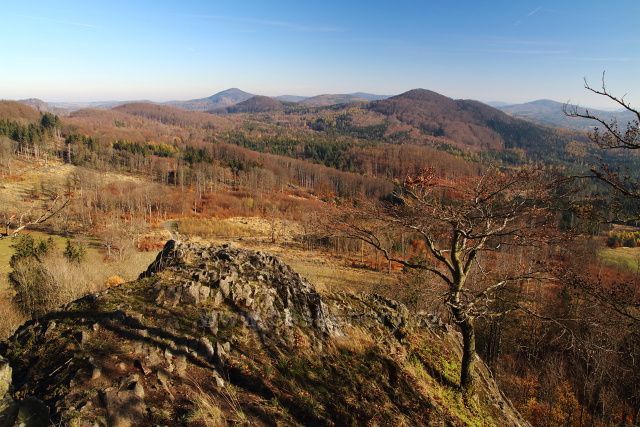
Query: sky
{"type": "Point", "coordinates": [510, 51]}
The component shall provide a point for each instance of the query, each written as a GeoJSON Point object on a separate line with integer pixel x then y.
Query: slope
{"type": "Point", "coordinates": [214, 335]}
{"type": "Point", "coordinates": [473, 124]}
{"type": "Point", "coordinates": [257, 104]}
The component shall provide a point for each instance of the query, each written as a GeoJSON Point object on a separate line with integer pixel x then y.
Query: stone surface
{"type": "Point", "coordinates": [260, 286]}
{"type": "Point", "coordinates": [5, 377]}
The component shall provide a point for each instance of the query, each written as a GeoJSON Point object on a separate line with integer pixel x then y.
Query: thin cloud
{"type": "Point", "coordinates": [534, 11]}
{"type": "Point", "coordinates": [56, 21]}
{"type": "Point", "coordinates": [530, 14]}
{"type": "Point", "coordinates": [602, 59]}
{"type": "Point", "coordinates": [520, 51]}
{"type": "Point", "coordinates": [291, 26]}
{"type": "Point", "coordinates": [512, 41]}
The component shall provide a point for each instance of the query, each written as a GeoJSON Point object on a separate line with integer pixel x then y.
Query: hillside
{"type": "Point", "coordinates": [472, 124]}
{"type": "Point", "coordinates": [550, 113]}
{"type": "Point", "coordinates": [335, 99]}
{"type": "Point", "coordinates": [211, 334]}
{"type": "Point", "coordinates": [14, 110]}
{"type": "Point", "coordinates": [174, 116]}
{"type": "Point", "coordinates": [256, 104]}
{"type": "Point", "coordinates": [216, 101]}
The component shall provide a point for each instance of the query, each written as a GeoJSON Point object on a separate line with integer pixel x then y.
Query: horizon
{"type": "Point", "coordinates": [492, 103]}
{"type": "Point", "coordinates": [504, 52]}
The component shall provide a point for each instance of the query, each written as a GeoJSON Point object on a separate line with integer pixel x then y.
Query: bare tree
{"type": "Point", "coordinates": [38, 212]}
{"type": "Point", "coordinates": [471, 231]}
{"type": "Point", "coordinates": [611, 135]}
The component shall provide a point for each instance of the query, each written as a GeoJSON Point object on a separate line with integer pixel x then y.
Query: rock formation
{"type": "Point", "coordinates": [211, 335]}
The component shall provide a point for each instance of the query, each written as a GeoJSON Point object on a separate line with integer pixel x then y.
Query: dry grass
{"type": "Point", "coordinates": [213, 228]}
{"type": "Point", "coordinates": [356, 340]}
{"type": "Point", "coordinates": [11, 317]}
{"type": "Point", "coordinates": [254, 228]}
{"type": "Point", "coordinates": [68, 281]}
{"type": "Point", "coordinates": [328, 275]}
{"type": "Point", "coordinates": [206, 410]}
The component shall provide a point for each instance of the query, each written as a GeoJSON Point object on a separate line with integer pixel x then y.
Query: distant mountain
{"type": "Point", "coordinates": [99, 105]}
{"type": "Point", "coordinates": [548, 112]}
{"type": "Point", "coordinates": [369, 96]}
{"type": "Point", "coordinates": [334, 99]}
{"type": "Point", "coordinates": [256, 104]}
{"type": "Point", "coordinates": [473, 124]}
{"type": "Point", "coordinates": [291, 98]}
{"type": "Point", "coordinates": [220, 100]}
{"type": "Point", "coordinates": [44, 107]}
{"type": "Point", "coordinates": [497, 104]}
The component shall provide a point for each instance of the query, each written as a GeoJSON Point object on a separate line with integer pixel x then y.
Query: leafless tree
{"type": "Point", "coordinates": [38, 212]}
{"type": "Point", "coordinates": [611, 135]}
{"type": "Point", "coordinates": [472, 231]}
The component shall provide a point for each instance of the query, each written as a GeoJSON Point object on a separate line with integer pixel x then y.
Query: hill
{"type": "Point", "coordinates": [223, 99]}
{"type": "Point", "coordinates": [69, 107]}
{"type": "Point", "coordinates": [14, 110]}
{"type": "Point", "coordinates": [211, 334]}
{"type": "Point", "coordinates": [472, 124]}
{"type": "Point", "coordinates": [256, 104]}
{"type": "Point", "coordinates": [548, 112]}
{"type": "Point", "coordinates": [173, 116]}
{"type": "Point", "coordinates": [291, 98]}
{"type": "Point", "coordinates": [335, 99]}
{"type": "Point", "coordinates": [44, 107]}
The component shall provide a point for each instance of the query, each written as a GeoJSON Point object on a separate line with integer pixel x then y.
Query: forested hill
{"type": "Point", "coordinates": [257, 104]}
{"type": "Point", "coordinates": [474, 124]}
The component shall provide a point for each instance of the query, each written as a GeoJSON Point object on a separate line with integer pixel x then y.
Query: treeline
{"type": "Point", "coordinates": [209, 165]}
{"type": "Point", "coordinates": [343, 125]}
{"type": "Point", "coordinates": [30, 137]}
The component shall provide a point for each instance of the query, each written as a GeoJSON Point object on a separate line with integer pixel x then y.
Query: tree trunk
{"type": "Point", "coordinates": [468, 331]}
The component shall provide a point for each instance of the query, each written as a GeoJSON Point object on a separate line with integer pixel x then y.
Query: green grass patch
{"type": "Point", "coordinates": [627, 259]}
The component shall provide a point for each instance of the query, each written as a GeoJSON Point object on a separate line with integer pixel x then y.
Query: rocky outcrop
{"type": "Point", "coordinates": [267, 293]}
{"type": "Point", "coordinates": [214, 335]}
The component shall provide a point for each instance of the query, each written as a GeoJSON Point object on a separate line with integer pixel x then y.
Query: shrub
{"type": "Point", "coordinates": [114, 280]}
{"type": "Point", "coordinates": [36, 290]}
{"type": "Point", "coordinates": [74, 252]}
{"type": "Point", "coordinates": [613, 241]}
{"type": "Point", "coordinates": [27, 247]}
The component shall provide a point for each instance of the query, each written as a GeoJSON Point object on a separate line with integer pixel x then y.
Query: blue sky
{"type": "Point", "coordinates": [489, 50]}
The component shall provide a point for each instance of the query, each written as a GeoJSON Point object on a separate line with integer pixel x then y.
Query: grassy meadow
{"type": "Point", "coordinates": [623, 258]}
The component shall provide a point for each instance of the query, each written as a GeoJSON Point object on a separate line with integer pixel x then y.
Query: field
{"type": "Point", "coordinates": [623, 258]}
